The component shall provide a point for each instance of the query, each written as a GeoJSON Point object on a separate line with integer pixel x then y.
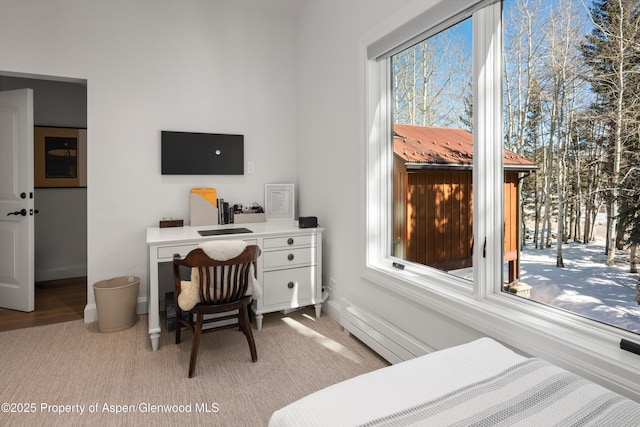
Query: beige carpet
{"type": "Point", "coordinates": [71, 367]}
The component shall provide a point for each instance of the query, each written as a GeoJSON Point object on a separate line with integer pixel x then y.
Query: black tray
{"type": "Point", "coordinates": [224, 231]}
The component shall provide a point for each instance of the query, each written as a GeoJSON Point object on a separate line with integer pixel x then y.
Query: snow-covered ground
{"type": "Point", "coordinates": [586, 285]}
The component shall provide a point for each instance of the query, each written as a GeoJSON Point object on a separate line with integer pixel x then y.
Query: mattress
{"type": "Point", "coordinates": [480, 383]}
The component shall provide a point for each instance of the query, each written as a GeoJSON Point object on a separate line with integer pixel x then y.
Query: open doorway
{"type": "Point", "coordinates": [61, 222]}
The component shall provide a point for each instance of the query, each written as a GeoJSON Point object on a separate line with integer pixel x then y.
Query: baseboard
{"type": "Point", "coordinates": [384, 338]}
{"type": "Point", "coordinates": [332, 309]}
{"type": "Point", "coordinates": [91, 313]}
{"type": "Point", "coordinates": [62, 273]}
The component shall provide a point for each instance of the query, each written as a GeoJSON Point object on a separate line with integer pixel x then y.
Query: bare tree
{"type": "Point", "coordinates": [611, 51]}
{"type": "Point", "coordinates": [564, 63]}
{"type": "Point", "coordinates": [524, 53]}
{"type": "Point", "coordinates": [431, 81]}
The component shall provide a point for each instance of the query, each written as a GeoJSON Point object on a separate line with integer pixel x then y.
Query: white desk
{"type": "Point", "coordinates": [289, 269]}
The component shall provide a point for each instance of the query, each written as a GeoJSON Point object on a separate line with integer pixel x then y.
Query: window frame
{"type": "Point", "coordinates": [581, 345]}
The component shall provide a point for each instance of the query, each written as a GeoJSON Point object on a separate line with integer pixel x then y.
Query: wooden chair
{"type": "Point", "coordinates": [222, 289]}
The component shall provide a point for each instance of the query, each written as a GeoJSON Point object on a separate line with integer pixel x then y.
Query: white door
{"type": "Point", "coordinates": [16, 200]}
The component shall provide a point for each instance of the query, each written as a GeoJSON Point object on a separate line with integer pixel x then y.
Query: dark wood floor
{"type": "Point", "coordinates": [56, 301]}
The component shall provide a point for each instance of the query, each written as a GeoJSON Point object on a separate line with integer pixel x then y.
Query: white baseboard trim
{"type": "Point", "coordinates": [62, 273]}
{"type": "Point", "coordinates": [332, 309]}
{"type": "Point", "coordinates": [91, 312]}
{"type": "Point", "coordinates": [383, 337]}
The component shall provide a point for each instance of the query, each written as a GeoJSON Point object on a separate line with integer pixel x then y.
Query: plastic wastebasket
{"type": "Point", "coordinates": [116, 301]}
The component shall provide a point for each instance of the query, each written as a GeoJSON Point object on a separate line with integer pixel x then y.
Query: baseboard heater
{"type": "Point", "coordinates": [384, 338]}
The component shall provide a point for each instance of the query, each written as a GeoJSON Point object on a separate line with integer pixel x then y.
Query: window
{"type": "Point", "coordinates": [561, 109]}
{"type": "Point", "coordinates": [433, 151]}
{"type": "Point", "coordinates": [431, 81]}
{"type": "Point", "coordinates": [485, 301]}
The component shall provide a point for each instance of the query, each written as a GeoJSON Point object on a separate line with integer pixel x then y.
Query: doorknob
{"type": "Point", "coordinates": [22, 212]}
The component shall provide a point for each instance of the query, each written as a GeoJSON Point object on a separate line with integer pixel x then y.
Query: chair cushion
{"type": "Point", "coordinates": [189, 295]}
{"type": "Point", "coordinates": [223, 250]}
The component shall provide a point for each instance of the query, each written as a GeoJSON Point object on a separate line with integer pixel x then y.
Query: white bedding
{"type": "Point", "coordinates": [462, 385]}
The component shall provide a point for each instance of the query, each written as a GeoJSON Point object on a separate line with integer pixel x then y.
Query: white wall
{"type": "Point", "coordinates": [189, 65]}
{"type": "Point", "coordinates": [60, 233]}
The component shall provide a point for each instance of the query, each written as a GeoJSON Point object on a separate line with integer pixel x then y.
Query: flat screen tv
{"type": "Point", "coordinates": [189, 153]}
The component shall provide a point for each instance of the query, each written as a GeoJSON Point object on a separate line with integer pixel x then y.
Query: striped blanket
{"type": "Point", "coordinates": [530, 393]}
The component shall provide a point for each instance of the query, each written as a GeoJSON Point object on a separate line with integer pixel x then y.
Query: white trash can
{"type": "Point", "coordinates": [116, 301]}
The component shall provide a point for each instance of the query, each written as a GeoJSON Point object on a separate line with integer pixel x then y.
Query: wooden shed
{"type": "Point", "coordinates": [433, 203]}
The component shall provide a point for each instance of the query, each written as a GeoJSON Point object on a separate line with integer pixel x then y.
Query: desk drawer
{"type": "Point", "coordinates": [289, 258]}
{"type": "Point", "coordinates": [289, 241]}
{"type": "Point", "coordinates": [169, 251]}
{"type": "Point", "coordinates": [288, 288]}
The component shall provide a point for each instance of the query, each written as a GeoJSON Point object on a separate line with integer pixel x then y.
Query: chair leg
{"type": "Point", "coordinates": [178, 326]}
{"type": "Point", "coordinates": [245, 326]}
{"type": "Point", "coordinates": [196, 342]}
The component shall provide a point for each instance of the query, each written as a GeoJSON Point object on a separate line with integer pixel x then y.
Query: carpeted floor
{"type": "Point", "coordinates": [115, 379]}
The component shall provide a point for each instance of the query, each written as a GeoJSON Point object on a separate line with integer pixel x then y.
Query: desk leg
{"type": "Point", "coordinates": [259, 318]}
{"type": "Point", "coordinates": [154, 303]}
{"type": "Point", "coordinates": [155, 340]}
{"type": "Point", "coordinates": [318, 310]}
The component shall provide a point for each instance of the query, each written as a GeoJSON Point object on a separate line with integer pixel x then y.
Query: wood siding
{"type": "Point", "coordinates": [439, 218]}
{"type": "Point", "coordinates": [511, 225]}
{"type": "Point", "coordinates": [437, 229]}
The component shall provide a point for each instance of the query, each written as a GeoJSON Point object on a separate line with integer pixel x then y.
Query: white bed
{"type": "Point", "coordinates": [480, 383]}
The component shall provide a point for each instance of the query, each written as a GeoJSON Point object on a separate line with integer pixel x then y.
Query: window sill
{"type": "Point", "coordinates": [585, 347]}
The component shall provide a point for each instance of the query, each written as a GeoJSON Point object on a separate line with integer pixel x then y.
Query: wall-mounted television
{"type": "Point", "coordinates": [189, 153]}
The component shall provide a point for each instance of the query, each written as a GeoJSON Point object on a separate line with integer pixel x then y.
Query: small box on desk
{"type": "Point", "coordinates": [248, 218]}
{"type": "Point", "coordinates": [166, 223]}
{"type": "Point", "coordinates": [308, 222]}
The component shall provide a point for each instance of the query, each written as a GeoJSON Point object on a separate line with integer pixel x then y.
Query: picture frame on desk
{"type": "Point", "coordinates": [279, 200]}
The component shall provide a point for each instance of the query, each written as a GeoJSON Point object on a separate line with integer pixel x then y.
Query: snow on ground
{"type": "Point", "coordinates": [586, 285]}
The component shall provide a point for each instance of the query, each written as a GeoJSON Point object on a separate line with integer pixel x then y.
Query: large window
{"type": "Point", "coordinates": [433, 151]}
{"type": "Point", "coordinates": [551, 158]}
{"type": "Point", "coordinates": [570, 104]}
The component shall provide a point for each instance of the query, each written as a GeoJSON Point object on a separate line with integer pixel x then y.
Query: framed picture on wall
{"type": "Point", "coordinates": [279, 200]}
{"type": "Point", "coordinates": [59, 157]}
